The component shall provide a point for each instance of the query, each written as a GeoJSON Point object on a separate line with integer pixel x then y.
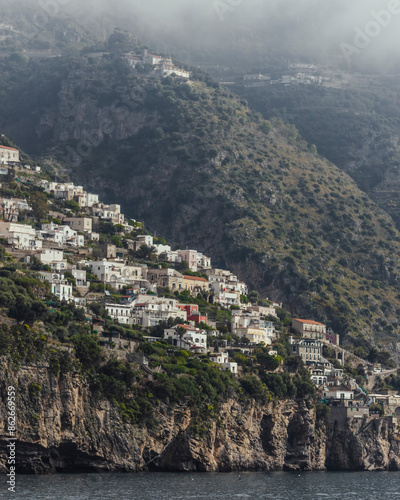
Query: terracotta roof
{"type": "Point", "coordinates": [194, 278]}
{"type": "Point", "coordinates": [308, 321]}
{"type": "Point", "coordinates": [189, 327]}
{"type": "Point", "coordinates": [6, 147]}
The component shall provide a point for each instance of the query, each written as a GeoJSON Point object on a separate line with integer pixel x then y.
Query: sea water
{"type": "Point", "coordinates": [207, 486]}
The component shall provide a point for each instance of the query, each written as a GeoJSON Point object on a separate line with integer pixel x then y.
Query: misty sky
{"type": "Point", "coordinates": [303, 28]}
{"type": "Point", "coordinates": [252, 31]}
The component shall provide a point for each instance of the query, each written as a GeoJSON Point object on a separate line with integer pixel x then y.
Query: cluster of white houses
{"type": "Point", "coordinates": [141, 305]}
{"type": "Point", "coordinates": [258, 79]}
{"type": "Point", "coordinates": [254, 324]}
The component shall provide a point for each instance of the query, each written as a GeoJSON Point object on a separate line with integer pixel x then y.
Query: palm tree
{"type": "Point", "coordinates": [180, 331]}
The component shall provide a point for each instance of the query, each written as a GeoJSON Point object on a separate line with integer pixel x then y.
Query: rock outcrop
{"type": "Point", "coordinates": [370, 443]}
{"type": "Point", "coordinates": [61, 427]}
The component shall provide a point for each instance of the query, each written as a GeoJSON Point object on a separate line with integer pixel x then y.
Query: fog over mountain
{"type": "Point", "coordinates": [349, 34]}
{"type": "Point", "coordinates": [356, 34]}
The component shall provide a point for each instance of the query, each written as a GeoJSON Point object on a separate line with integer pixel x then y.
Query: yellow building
{"type": "Point", "coordinates": [195, 285]}
{"type": "Point", "coordinates": [309, 329]}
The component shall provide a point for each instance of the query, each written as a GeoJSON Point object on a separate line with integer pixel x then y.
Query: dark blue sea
{"type": "Point", "coordinates": [251, 486]}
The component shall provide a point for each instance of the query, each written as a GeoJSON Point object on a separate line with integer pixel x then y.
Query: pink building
{"type": "Point", "coordinates": [189, 256]}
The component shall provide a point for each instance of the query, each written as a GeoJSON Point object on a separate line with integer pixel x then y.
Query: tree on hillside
{"type": "Point", "coordinates": [145, 252]}
{"type": "Point", "coordinates": [40, 208]}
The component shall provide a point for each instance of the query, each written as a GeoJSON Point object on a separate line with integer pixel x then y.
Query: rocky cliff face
{"type": "Point", "coordinates": [61, 428]}
{"type": "Point", "coordinates": [363, 444]}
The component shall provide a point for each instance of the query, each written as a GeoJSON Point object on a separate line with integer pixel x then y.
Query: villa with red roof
{"type": "Point", "coordinates": [8, 154]}
{"type": "Point", "coordinates": [309, 329]}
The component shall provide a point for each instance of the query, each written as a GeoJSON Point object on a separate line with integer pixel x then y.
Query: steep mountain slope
{"type": "Point", "coordinates": [355, 128]}
{"type": "Point", "coordinates": [199, 167]}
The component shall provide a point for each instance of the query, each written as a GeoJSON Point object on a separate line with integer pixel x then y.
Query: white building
{"type": "Point", "coordinates": [146, 310]}
{"type": "Point", "coordinates": [68, 191]}
{"type": "Point", "coordinates": [150, 310]}
{"type": "Point", "coordinates": [256, 77]}
{"type": "Point", "coordinates": [108, 213]}
{"type": "Point", "coordinates": [59, 287]}
{"type": "Point", "coordinates": [144, 239]}
{"type": "Point", "coordinates": [51, 255]}
{"type": "Point", "coordinates": [62, 290]}
{"type": "Point", "coordinates": [167, 68]}
{"type": "Point", "coordinates": [203, 262]}
{"type": "Point", "coordinates": [21, 236]}
{"type": "Point", "coordinates": [225, 295]}
{"type": "Point", "coordinates": [10, 208]}
{"type": "Point", "coordinates": [170, 256]}
{"type": "Point", "coordinates": [120, 313]}
{"type": "Point", "coordinates": [62, 235]}
{"type": "Point", "coordinates": [80, 277]}
{"type": "Point", "coordinates": [222, 359]}
{"type": "Point", "coordinates": [194, 338]}
{"type": "Point", "coordinates": [227, 288]}
{"type": "Point", "coordinates": [151, 59]}
{"type": "Point", "coordinates": [159, 249]}
{"type": "Point", "coordinates": [265, 311]}
{"type": "Point", "coordinates": [338, 392]}
{"type": "Point", "coordinates": [117, 273]}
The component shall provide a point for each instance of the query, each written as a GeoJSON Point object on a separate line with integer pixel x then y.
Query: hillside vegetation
{"type": "Point", "coordinates": [200, 168]}
{"type": "Point", "coordinates": [356, 128]}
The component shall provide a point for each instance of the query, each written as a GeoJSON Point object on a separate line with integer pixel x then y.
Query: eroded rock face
{"type": "Point", "coordinates": [363, 444]}
{"type": "Point", "coordinates": [62, 428]}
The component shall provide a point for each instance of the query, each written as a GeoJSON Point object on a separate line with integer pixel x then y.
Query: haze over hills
{"type": "Point", "coordinates": [200, 167]}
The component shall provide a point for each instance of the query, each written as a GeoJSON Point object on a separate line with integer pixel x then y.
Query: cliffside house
{"type": "Point", "coordinates": [195, 285]}
{"type": "Point", "coordinates": [193, 339]}
{"type": "Point", "coordinates": [59, 286]}
{"type": "Point", "coordinates": [166, 278]}
{"type": "Point", "coordinates": [10, 208]}
{"type": "Point", "coordinates": [338, 393]}
{"type": "Point", "coordinates": [222, 359]}
{"type": "Point", "coordinates": [21, 236]}
{"type": "Point", "coordinates": [309, 329]}
{"type": "Point", "coordinates": [80, 224]}
{"type": "Point", "coordinates": [309, 350]}
{"type": "Point", "coordinates": [8, 155]}
{"type": "Point", "coordinates": [250, 324]}
{"type": "Point", "coordinates": [190, 257]}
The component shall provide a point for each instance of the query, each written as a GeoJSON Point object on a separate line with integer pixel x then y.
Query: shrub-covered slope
{"type": "Point", "coordinates": [355, 128]}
